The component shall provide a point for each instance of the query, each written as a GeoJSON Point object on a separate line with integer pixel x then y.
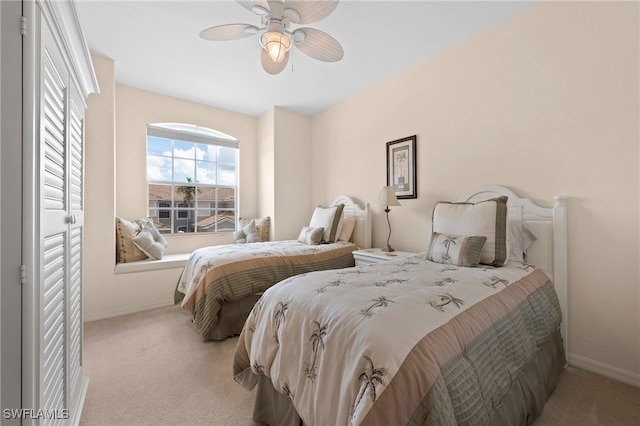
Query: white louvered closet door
{"type": "Point", "coordinates": [61, 381]}
{"type": "Point", "coordinates": [76, 378]}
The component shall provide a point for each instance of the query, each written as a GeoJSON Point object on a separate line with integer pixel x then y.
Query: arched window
{"type": "Point", "coordinates": [192, 176]}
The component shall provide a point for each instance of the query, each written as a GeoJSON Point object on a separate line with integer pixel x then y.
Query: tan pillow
{"type": "Point", "coordinates": [348, 225]}
{"type": "Point", "coordinates": [126, 250]}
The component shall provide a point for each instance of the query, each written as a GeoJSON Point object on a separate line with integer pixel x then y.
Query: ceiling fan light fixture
{"type": "Point", "coordinates": [276, 44]}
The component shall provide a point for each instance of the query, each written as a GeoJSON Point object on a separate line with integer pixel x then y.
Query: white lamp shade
{"type": "Point", "coordinates": [387, 197]}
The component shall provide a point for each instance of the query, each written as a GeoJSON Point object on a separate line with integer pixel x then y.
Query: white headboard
{"type": "Point", "coordinates": [549, 251]}
{"type": "Point", "coordinates": [362, 231]}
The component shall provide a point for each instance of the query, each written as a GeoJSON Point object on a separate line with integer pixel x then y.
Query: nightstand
{"type": "Point", "coordinates": [376, 255]}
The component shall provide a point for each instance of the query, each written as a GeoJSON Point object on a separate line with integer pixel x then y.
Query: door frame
{"type": "Point", "coordinates": [11, 126]}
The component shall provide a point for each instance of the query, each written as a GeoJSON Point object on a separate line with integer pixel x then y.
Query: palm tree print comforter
{"type": "Point", "coordinates": [401, 342]}
{"type": "Point", "coordinates": [217, 274]}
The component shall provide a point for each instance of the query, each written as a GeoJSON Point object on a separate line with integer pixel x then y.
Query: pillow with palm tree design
{"type": "Point", "coordinates": [485, 218]}
{"type": "Point", "coordinates": [455, 249]}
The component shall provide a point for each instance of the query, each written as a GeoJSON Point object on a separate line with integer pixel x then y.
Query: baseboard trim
{"type": "Point", "coordinates": [605, 370]}
{"type": "Point", "coordinates": [106, 315]}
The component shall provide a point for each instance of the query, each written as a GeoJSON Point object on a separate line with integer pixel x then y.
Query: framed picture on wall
{"type": "Point", "coordinates": [401, 167]}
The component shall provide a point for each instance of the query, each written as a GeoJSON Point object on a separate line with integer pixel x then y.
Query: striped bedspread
{"type": "Point", "coordinates": [217, 274]}
{"type": "Point", "coordinates": [401, 342]}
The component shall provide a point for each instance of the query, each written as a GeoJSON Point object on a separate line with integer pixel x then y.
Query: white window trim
{"type": "Point", "coordinates": [196, 134]}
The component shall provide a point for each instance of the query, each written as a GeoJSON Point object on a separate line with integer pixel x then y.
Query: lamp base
{"type": "Point", "coordinates": [388, 249]}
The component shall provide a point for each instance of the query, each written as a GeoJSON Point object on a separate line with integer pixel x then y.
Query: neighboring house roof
{"type": "Point", "coordinates": [159, 225]}
{"type": "Point", "coordinates": [159, 192]}
{"type": "Point", "coordinates": [219, 219]}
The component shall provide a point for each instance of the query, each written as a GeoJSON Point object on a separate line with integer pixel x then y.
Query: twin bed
{"type": "Point", "coordinates": [416, 341]}
{"type": "Point", "coordinates": [220, 284]}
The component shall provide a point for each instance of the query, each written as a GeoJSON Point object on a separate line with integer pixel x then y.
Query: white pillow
{"type": "Point", "coordinates": [248, 234]}
{"type": "Point", "coordinates": [327, 218]}
{"type": "Point", "coordinates": [263, 225]}
{"type": "Point", "coordinates": [348, 225]}
{"type": "Point", "coordinates": [145, 241]}
{"type": "Point", "coordinates": [520, 238]}
{"type": "Point", "coordinates": [309, 235]}
{"type": "Point", "coordinates": [157, 236]}
{"type": "Point", "coordinates": [486, 218]}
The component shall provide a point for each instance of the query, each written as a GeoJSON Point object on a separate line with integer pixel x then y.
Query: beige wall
{"type": "Point", "coordinates": [546, 103]}
{"type": "Point", "coordinates": [284, 161]}
{"type": "Point", "coordinates": [293, 205]}
{"type": "Point", "coordinates": [135, 109]}
{"type": "Point", "coordinates": [266, 165]}
{"type": "Point", "coordinates": [115, 185]}
{"type": "Point", "coordinates": [274, 179]}
{"type": "Point", "coordinates": [99, 194]}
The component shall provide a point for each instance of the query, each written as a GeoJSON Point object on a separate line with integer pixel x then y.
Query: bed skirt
{"type": "Point", "coordinates": [232, 316]}
{"type": "Point", "coordinates": [520, 406]}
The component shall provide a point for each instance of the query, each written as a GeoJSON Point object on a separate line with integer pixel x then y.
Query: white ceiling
{"type": "Point", "coordinates": [156, 47]}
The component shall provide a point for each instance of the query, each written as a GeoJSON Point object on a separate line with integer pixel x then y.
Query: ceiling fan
{"type": "Point", "coordinates": [276, 35]}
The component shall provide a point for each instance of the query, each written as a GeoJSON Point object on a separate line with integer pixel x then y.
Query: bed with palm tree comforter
{"type": "Point", "coordinates": [407, 341]}
{"type": "Point", "coordinates": [230, 277]}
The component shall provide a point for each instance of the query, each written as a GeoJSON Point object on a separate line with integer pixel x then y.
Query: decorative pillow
{"type": "Point", "coordinates": [327, 218]}
{"type": "Point", "coordinates": [239, 237]}
{"type": "Point", "coordinates": [248, 234]}
{"type": "Point", "coordinates": [310, 235]}
{"type": "Point", "coordinates": [157, 236]}
{"type": "Point", "coordinates": [486, 218]}
{"type": "Point", "coordinates": [339, 228]}
{"type": "Point", "coordinates": [126, 250]}
{"type": "Point", "coordinates": [520, 238]}
{"type": "Point", "coordinates": [147, 241]}
{"type": "Point", "coordinates": [455, 249]}
{"type": "Point", "coordinates": [348, 225]}
{"type": "Point", "coordinates": [262, 224]}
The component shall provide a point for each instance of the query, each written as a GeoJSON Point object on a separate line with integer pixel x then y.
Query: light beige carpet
{"type": "Point", "coordinates": [152, 368]}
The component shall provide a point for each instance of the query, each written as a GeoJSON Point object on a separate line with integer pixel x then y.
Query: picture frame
{"type": "Point", "coordinates": [401, 167]}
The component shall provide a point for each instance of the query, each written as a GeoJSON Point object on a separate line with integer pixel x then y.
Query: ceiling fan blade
{"type": "Point", "coordinates": [229, 32]}
{"type": "Point", "coordinates": [311, 10]}
{"type": "Point", "coordinates": [270, 66]}
{"type": "Point", "coordinates": [318, 44]}
{"type": "Point", "coordinates": [256, 6]}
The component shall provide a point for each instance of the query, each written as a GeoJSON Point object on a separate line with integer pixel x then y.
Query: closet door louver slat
{"type": "Point", "coordinates": [75, 313]}
{"type": "Point", "coordinates": [53, 357]}
{"type": "Point", "coordinates": [76, 161]}
{"type": "Point", "coordinates": [57, 78]}
{"type": "Point", "coordinates": [53, 126]}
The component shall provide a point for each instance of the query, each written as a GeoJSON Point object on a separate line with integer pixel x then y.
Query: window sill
{"type": "Point", "coordinates": [168, 261]}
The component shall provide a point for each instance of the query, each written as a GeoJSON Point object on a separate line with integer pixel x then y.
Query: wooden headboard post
{"type": "Point", "coordinates": [549, 251]}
